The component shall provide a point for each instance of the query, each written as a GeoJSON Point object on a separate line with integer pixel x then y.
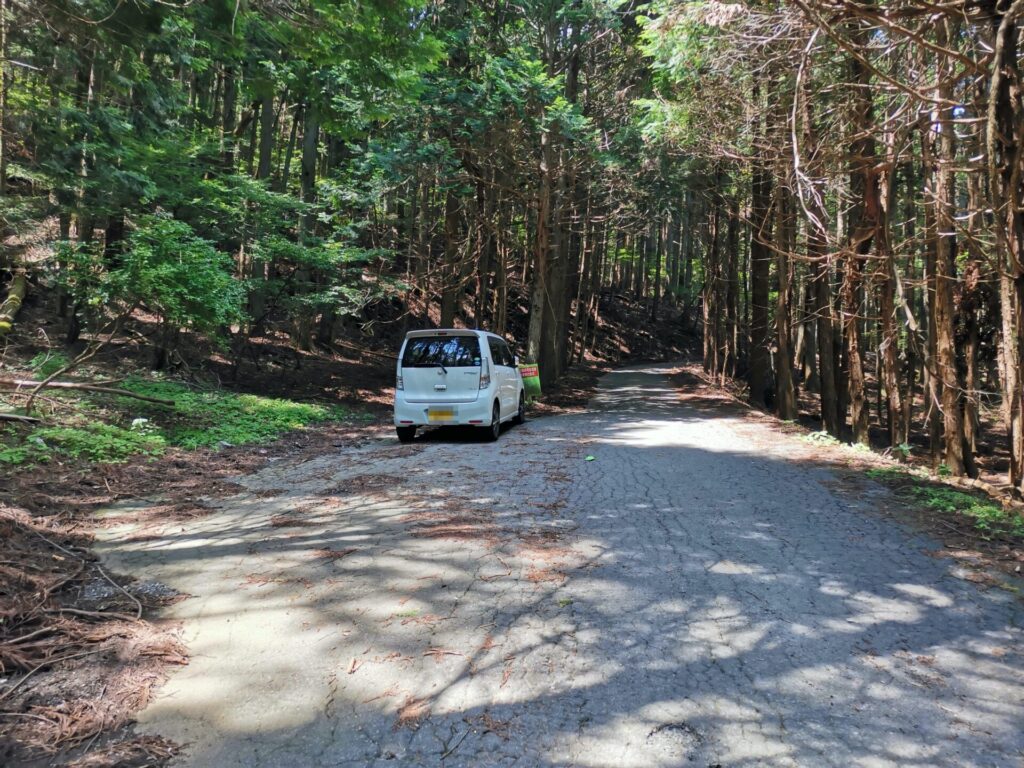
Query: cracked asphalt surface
{"type": "Point", "coordinates": [699, 594]}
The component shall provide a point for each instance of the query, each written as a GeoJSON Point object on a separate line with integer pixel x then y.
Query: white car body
{"type": "Point", "coordinates": [453, 377]}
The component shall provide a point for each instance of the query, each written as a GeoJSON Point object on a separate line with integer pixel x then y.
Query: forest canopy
{"type": "Point", "coordinates": [831, 191]}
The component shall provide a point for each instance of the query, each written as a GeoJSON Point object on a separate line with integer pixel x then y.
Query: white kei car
{"type": "Point", "coordinates": [454, 376]}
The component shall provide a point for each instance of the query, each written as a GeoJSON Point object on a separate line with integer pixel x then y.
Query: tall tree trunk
{"type": "Point", "coordinates": [553, 341]}
{"type": "Point", "coordinates": [945, 267]}
{"type": "Point", "coordinates": [807, 338]}
{"type": "Point", "coordinates": [785, 391]}
{"type": "Point", "coordinates": [228, 118]}
{"type": "Point", "coordinates": [307, 219]}
{"type": "Point", "coordinates": [758, 376]}
{"type": "Point", "coordinates": [932, 382]}
{"type": "Point", "coordinates": [267, 128]}
{"type": "Point", "coordinates": [888, 349]}
{"type": "Point", "coordinates": [817, 252]}
{"type": "Point", "coordinates": [307, 175]}
{"type": "Point", "coordinates": [863, 226]}
{"type": "Point", "coordinates": [541, 252]}
{"type": "Point", "coordinates": [659, 252]}
{"type": "Point", "coordinates": [451, 289]}
{"type": "Point", "coordinates": [712, 310]}
{"type": "Point", "coordinates": [1004, 133]}
{"type": "Point", "coordinates": [732, 286]}
{"type": "Point", "coordinates": [289, 152]}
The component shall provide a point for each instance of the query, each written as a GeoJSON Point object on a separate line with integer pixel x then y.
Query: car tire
{"type": "Point", "coordinates": [406, 434]}
{"type": "Point", "coordinates": [521, 413]}
{"type": "Point", "coordinates": [494, 430]}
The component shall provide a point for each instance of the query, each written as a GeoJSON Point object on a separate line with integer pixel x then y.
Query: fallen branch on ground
{"type": "Point", "coordinates": [16, 384]}
{"type": "Point", "coordinates": [97, 665]}
{"type": "Point", "coordinates": [363, 350]}
{"type": "Point", "coordinates": [86, 354]}
{"type": "Point", "coordinates": [1003, 494]}
{"type": "Point", "coordinates": [9, 308]}
{"type": "Point", "coordinates": [17, 417]}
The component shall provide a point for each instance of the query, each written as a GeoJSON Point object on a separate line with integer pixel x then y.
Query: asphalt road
{"type": "Point", "coordinates": [698, 594]}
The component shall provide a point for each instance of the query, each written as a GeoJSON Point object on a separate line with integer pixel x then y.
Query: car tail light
{"type": "Point", "coordinates": [399, 384]}
{"type": "Point", "coordinates": [485, 375]}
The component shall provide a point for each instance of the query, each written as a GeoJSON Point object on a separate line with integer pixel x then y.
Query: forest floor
{"type": "Point", "coordinates": [662, 578]}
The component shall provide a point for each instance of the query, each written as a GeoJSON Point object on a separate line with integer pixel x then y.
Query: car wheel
{"type": "Point", "coordinates": [521, 413]}
{"type": "Point", "coordinates": [405, 434]}
{"type": "Point", "coordinates": [494, 431]}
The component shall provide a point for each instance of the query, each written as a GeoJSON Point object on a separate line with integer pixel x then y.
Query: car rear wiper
{"type": "Point", "coordinates": [443, 369]}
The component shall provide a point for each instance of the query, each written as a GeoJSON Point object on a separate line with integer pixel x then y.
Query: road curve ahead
{"type": "Point", "coordinates": [698, 594]}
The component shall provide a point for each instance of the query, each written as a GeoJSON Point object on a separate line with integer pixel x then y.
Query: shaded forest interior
{"type": "Point", "coordinates": [830, 192]}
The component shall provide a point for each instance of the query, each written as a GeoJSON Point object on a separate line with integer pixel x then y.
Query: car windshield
{"type": "Point", "coordinates": [448, 351]}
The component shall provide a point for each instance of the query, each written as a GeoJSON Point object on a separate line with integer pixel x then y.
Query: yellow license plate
{"type": "Point", "coordinates": [439, 414]}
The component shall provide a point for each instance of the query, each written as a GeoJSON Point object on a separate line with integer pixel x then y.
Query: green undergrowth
{"type": "Point", "coordinates": [206, 418]}
{"type": "Point", "coordinates": [47, 363]}
{"type": "Point", "coordinates": [988, 517]}
{"type": "Point", "coordinates": [825, 439]}
{"type": "Point", "coordinates": [91, 440]}
{"type": "Point", "coordinates": [111, 429]}
{"type": "Point", "coordinates": [820, 438]}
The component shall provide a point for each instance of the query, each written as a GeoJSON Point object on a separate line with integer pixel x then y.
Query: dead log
{"type": "Point", "coordinates": [362, 350]}
{"type": "Point", "coordinates": [10, 307]}
{"type": "Point", "coordinates": [19, 417]}
{"type": "Point", "coordinates": [16, 384]}
{"type": "Point", "coordinates": [1003, 494]}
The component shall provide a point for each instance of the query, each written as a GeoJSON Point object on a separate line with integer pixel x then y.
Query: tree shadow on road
{"type": "Point", "coordinates": [665, 604]}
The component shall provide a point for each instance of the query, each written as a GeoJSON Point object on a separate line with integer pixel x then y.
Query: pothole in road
{"type": "Point", "coordinates": [676, 737]}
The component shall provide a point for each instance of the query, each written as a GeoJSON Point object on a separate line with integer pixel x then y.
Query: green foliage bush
{"type": "Point", "coordinates": [14, 450]}
{"type": "Point", "coordinates": [164, 267]}
{"type": "Point", "coordinates": [91, 440]}
{"type": "Point", "coordinates": [177, 275]}
{"type": "Point", "coordinates": [99, 442]}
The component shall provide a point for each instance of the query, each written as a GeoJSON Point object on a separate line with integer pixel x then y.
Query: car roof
{"type": "Point", "coordinates": [450, 332]}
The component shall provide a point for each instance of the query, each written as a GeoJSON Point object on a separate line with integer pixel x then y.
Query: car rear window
{"type": "Point", "coordinates": [453, 351]}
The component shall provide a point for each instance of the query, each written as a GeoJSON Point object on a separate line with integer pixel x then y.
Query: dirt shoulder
{"type": "Point", "coordinates": [78, 653]}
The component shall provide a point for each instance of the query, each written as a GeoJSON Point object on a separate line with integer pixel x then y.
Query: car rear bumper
{"type": "Point", "coordinates": [477, 413]}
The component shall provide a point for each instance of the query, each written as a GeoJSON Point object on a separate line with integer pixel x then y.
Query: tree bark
{"type": "Point", "coordinates": [784, 389]}
{"type": "Point", "coordinates": [541, 253]}
{"type": "Point", "coordinates": [1004, 133]}
{"type": "Point", "coordinates": [732, 287]}
{"type": "Point", "coordinates": [267, 127]}
{"type": "Point", "coordinates": [945, 271]}
{"type": "Point", "coordinates": [758, 376]}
